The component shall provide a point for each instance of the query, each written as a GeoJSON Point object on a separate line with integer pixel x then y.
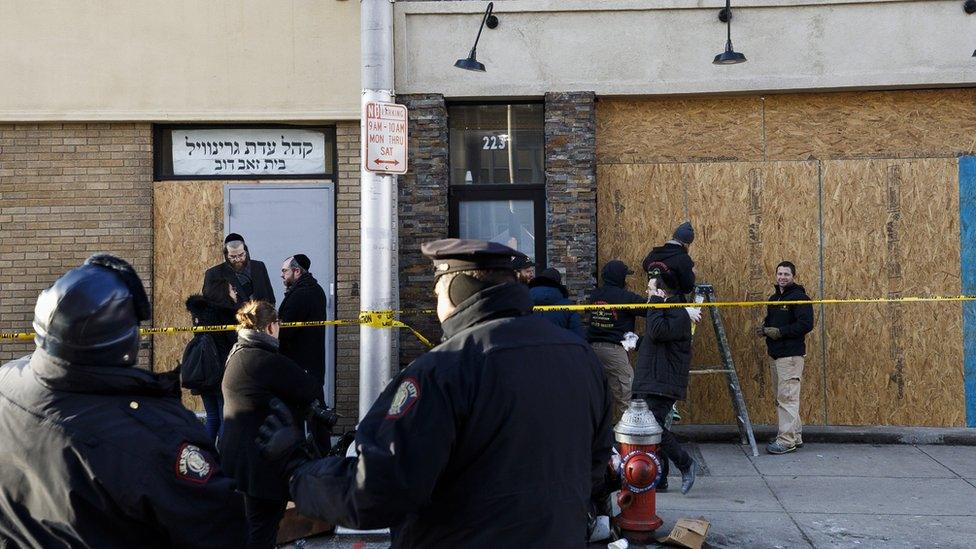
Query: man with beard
{"type": "Point", "coordinates": [304, 301]}
{"type": "Point", "coordinates": [249, 276]}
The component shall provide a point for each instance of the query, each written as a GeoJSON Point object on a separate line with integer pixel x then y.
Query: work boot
{"type": "Point", "coordinates": [688, 477]}
{"type": "Point", "coordinates": [777, 448]}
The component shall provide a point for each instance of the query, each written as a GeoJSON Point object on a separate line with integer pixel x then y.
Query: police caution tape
{"type": "Point", "coordinates": [388, 319]}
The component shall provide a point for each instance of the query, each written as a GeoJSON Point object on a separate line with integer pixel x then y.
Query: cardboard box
{"type": "Point", "coordinates": [687, 533]}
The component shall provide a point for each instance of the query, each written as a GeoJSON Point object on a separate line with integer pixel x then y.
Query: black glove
{"type": "Point", "coordinates": [281, 441]}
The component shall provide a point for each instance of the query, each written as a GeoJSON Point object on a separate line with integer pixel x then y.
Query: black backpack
{"type": "Point", "coordinates": [201, 369]}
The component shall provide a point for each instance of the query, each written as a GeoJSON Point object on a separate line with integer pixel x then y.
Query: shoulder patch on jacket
{"type": "Point", "coordinates": [192, 464]}
{"type": "Point", "coordinates": [407, 394]}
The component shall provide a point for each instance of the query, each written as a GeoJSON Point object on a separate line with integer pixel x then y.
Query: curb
{"type": "Point", "coordinates": [836, 434]}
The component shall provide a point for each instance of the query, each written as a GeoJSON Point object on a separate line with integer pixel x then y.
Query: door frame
{"type": "Point", "coordinates": [329, 391]}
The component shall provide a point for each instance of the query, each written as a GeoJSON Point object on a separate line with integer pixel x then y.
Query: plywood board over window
{"type": "Point", "coordinates": [187, 237]}
{"type": "Point", "coordinates": [747, 217]}
{"type": "Point", "coordinates": [891, 229]}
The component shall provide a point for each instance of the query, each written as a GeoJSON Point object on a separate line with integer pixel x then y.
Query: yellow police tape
{"type": "Point", "coordinates": [387, 319]}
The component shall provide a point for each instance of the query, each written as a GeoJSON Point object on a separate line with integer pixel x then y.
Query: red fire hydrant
{"type": "Point", "coordinates": [640, 472]}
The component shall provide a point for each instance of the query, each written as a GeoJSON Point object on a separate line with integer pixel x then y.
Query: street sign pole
{"type": "Point", "coordinates": [378, 278]}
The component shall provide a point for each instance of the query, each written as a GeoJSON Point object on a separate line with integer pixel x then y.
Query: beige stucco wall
{"type": "Point", "coordinates": [649, 47]}
{"type": "Point", "coordinates": [179, 60]}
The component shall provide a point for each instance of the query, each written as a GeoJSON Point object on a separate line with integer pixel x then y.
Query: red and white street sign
{"type": "Point", "coordinates": [386, 138]}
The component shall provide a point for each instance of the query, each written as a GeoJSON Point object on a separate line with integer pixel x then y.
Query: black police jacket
{"type": "Point", "coordinates": [107, 457]}
{"type": "Point", "coordinates": [664, 355]}
{"type": "Point", "coordinates": [305, 301]}
{"type": "Point", "coordinates": [496, 436]}
{"type": "Point", "coordinates": [794, 322]}
{"type": "Point", "coordinates": [610, 325]}
{"type": "Point", "coordinates": [676, 257]}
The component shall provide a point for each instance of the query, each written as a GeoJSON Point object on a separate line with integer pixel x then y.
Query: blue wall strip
{"type": "Point", "coordinates": [967, 246]}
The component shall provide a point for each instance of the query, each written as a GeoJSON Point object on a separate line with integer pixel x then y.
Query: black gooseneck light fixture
{"type": "Point", "coordinates": [729, 56]}
{"type": "Point", "coordinates": [471, 63]}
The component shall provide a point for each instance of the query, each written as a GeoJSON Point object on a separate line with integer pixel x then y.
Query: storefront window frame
{"type": "Point", "coordinates": [536, 192]}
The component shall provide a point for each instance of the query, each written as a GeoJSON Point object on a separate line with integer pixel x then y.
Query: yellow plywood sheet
{"type": "Point", "coordinates": [744, 227]}
{"type": "Point", "coordinates": [678, 129]}
{"type": "Point", "coordinates": [892, 229]}
{"type": "Point", "coordinates": [907, 123]}
{"type": "Point", "coordinates": [188, 224]}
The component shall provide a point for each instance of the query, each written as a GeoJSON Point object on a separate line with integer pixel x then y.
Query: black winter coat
{"type": "Point", "coordinates": [610, 325]}
{"type": "Point", "coordinates": [794, 322]}
{"type": "Point", "coordinates": [305, 301]}
{"type": "Point", "coordinates": [494, 438]}
{"type": "Point", "coordinates": [255, 373]}
{"type": "Point", "coordinates": [676, 257]}
{"type": "Point", "coordinates": [208, 313]}
{"type": "Point", "coordinates": [107, 457]}
{"type": "Point", "coordinates": [262, 289]}
{"type": "Point", "coordinates": [664, 355]}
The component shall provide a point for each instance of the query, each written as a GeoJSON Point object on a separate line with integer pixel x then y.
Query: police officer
{"type": "Point", "coordinates": [498, 435]}
{"type": "Point", "coordinates": [93, 451]}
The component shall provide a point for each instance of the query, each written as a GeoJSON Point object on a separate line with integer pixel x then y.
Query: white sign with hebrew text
{"type": "Point", "coordinates": [245, 151]}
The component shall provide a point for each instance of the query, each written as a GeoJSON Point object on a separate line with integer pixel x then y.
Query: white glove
{"type": "Point", "coordinates": [694, 313]}
{"type": "Point", "coordinates": [615, 459]}
{"type": "Point", "coordinates": [629, 341]}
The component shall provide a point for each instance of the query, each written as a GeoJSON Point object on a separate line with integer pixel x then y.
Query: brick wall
{"type": "Point", "coordinates": [347, 273]}
{"type": "Point", "coordinates": [68, 191]}
{"type": "Point", "coordinates": [570, 130]}
{"type": "Point", "coordinates": [423, 215]}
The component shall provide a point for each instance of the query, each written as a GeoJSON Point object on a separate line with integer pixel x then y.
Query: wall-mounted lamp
{"type": "Point", "coordinates": [471, 62]}
{"type": "Point", "coordinates": [729, 56]}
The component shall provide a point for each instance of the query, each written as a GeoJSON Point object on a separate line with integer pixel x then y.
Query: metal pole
{"type": "Point", "coordinates": [378, 198]}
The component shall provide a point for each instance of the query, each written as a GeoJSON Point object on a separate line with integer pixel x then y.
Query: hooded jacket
{"type": "Point", "coordinates": [610, 325]}
{"type": "Point", "coordinates": [546, 291]}
{"type": "Point", "coordinates": [106, 456]}
{"type": "Point", "coordinates": [676, 257]}
{"type": "Point", "coordinates": [664, 355]}
{"type": "Point", "coordinates": [794, 322]}
{"type": "Point", "coordinates": [496, 437]}
{"type": "Point", "coordinates": [209, 313]}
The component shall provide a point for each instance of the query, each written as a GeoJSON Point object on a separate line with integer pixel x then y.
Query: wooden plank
{"type": "Point", "coordinates": [891, 228]}
{"type": "Point", "coordinates": [188, 224]}
{"type": "Point", "coordinates": [744, 227]}
{"type": "Point", "coordinates": [678, 129]}
{"type": "Point", "coordinates": [905, 123]}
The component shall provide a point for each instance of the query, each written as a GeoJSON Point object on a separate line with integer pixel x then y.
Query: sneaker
{"type": "Point", "coordinates": [799, 444]}
{"type": "Point", "coordinates": [688, 477]}
{"type": "Point", "coordinates": [776, 448]}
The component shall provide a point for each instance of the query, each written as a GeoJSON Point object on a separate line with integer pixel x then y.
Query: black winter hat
{"type": "Point", "coordinates": [684, 233]}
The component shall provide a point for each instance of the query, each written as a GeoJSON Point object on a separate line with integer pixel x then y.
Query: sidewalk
{"type": "Point", "coordinates": [824, 495]}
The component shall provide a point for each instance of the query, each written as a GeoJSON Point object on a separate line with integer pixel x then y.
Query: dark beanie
{"type": "Point", "coordinates": [232, 237]}
{"type": "Point", "coordinates": [302, 261]}
{"type": "Point", "coordinates": [684, 233]}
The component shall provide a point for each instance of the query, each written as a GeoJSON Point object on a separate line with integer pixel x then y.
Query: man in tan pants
{"type": "Point", "coordinates": [785, 328]}
{"type": "Point", "coordinates": [608, 328]}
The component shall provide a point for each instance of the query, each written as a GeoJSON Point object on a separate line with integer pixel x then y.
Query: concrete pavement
{"type": "Point", "coordinates": [822, 496]}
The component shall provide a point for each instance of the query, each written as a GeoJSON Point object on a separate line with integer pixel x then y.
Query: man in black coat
{"type": "Point", "coordinates": [497, 436]}
{"type": "Point", "coordinates": [607, 328]}
{"type": "Point", "coordinates": [95, 452]}
{"type": "Point", "coordinates": [785, 328]}
{"type": "Point", "coordinates": [674, 254]}
{"type": "Point", "coordinates": [663, 361]}
{"type": "Point", "coordinates": [304, 301]}
{"type": "Point", "coordinates": [249, 276]}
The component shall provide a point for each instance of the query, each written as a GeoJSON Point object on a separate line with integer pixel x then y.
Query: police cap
{"type": "Point", "coordinates": [451, 255]}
